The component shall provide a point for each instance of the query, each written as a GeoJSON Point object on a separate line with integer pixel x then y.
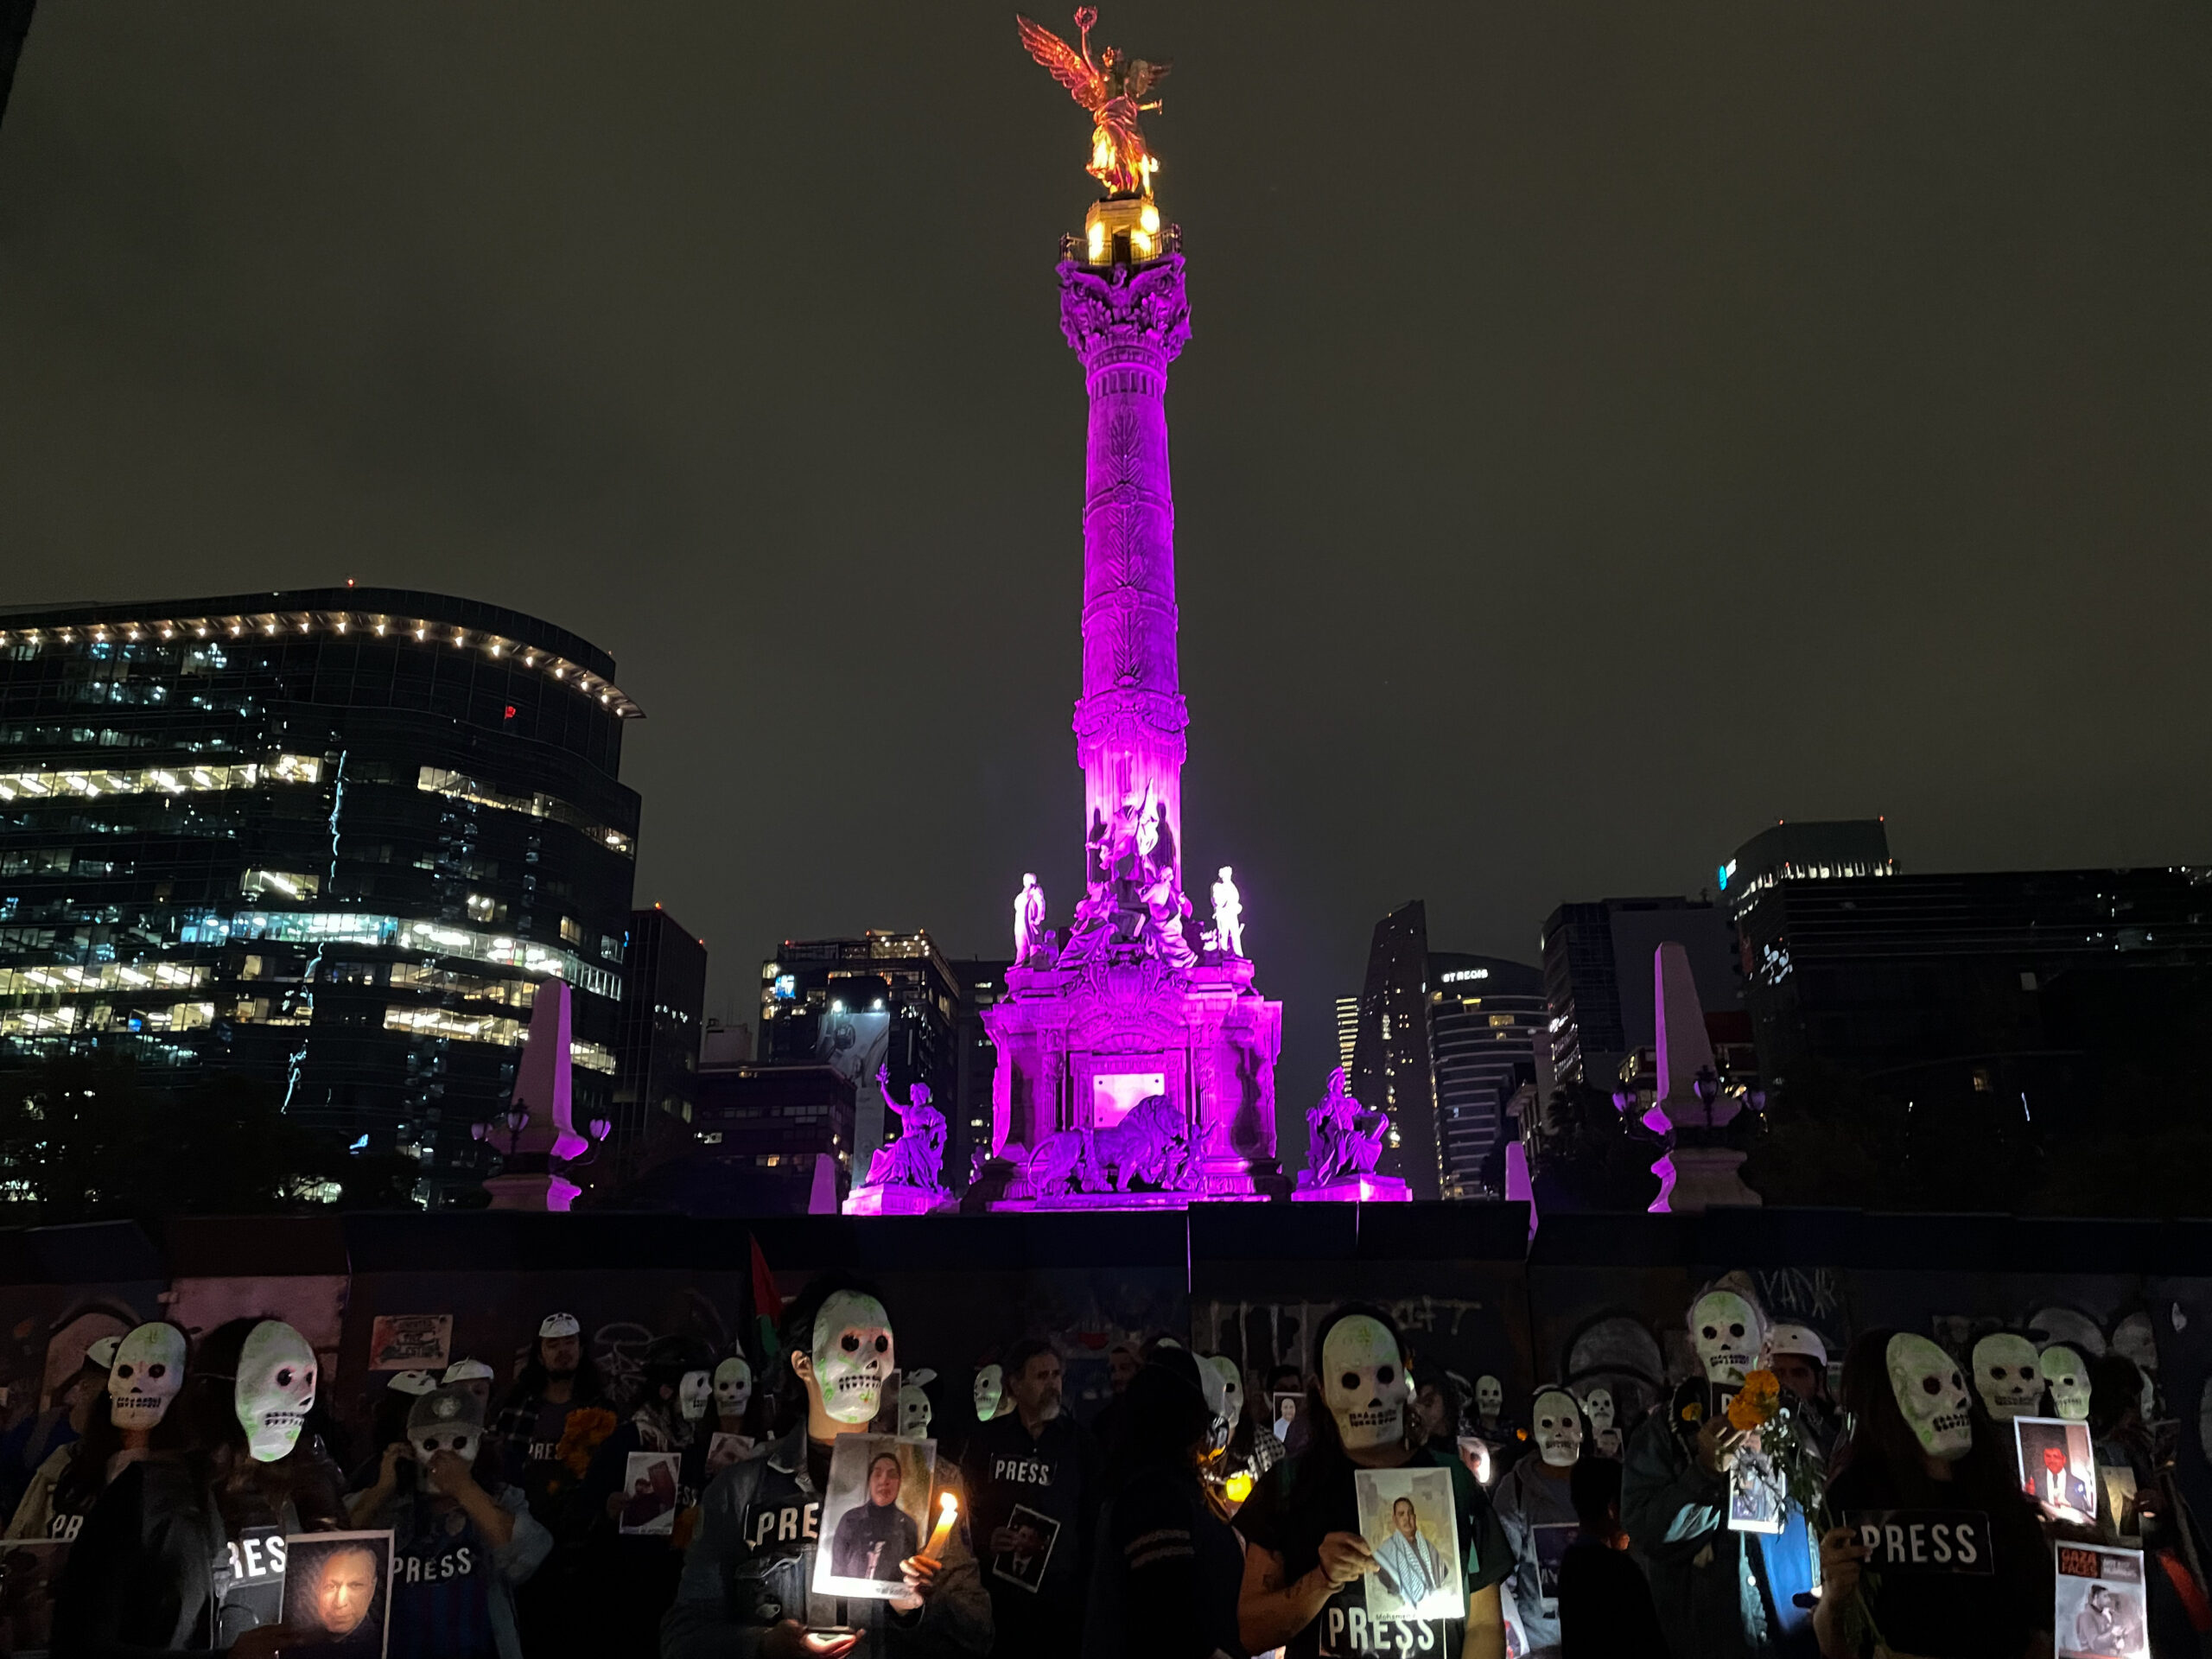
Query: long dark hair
{"type": "Point", "coordinates": [1163, 1422]}
{"type": "Point", "coordinates": [1324, 1450]}
{"type": "Point", "coordinates": [587, 1388]}
{"type": "Point", "coordinates": [1882, 1445]}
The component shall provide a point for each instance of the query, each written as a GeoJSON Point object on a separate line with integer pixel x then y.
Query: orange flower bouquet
{"type": "Point", "coordinates": [1757, 1403]}
{"type": "Point", "coordinates": [580, 1436]}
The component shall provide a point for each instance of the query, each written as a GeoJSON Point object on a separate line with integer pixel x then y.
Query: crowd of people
{"type": "Point", "coordinates": [1371, 1504]}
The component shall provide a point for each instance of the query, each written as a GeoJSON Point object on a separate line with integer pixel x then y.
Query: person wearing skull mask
{"type": "Point", "coordinates": [1037, 1457]}
{"type": "Point", "coordinates": [1535, 1505]}
{"type": "Point", "coordinates": [1721, 1593]}
{"type": "Point", "coordinates": [460, 1545]}
{"type": "Point", "coordinates": [634, 1574]}
{"type": "Point", "coordinates": [125, 1423]}
{"type": "Point", "coordinates": [1302, 1589]}
{"type": "Point", "coordinates": [747, 1581]}
{"type": "Point", "coordinates": [1915, 1443]}
{"type": "Point", "coordinates": [185, 1550]}
{"type": "Point", "coordinates": [1253, 1448]}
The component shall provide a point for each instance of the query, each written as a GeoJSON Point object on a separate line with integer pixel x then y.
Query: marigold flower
{"type": "Point", "coordinates": [1756, 1403]}
{"type": "Point", "coordinates": [580, 1436]}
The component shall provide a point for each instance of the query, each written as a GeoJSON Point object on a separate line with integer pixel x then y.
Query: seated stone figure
{"type": "Point", "coordinates": [916, 1158]}
{"type": "Point", "coordinates": [1346, 1138]}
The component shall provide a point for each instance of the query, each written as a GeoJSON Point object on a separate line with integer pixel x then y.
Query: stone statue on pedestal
{"type": "Point", "coordinates": [1028, 922]}
{"type": "Point", "coordinates": [1344, 1139]}
{"type": "Point", "coordinates": [1227, 915]}
{"type": "Point", "coordinates": [916, 1158]}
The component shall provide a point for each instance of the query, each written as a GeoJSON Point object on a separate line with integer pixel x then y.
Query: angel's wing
{"type": "Point", "coordinates": [1065, 63]}
{"type": "Point", "coordinates": [1141, 77]}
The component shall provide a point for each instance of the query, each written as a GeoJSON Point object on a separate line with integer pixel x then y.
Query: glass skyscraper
{"type": "Point", "coordinates": [333, 837]}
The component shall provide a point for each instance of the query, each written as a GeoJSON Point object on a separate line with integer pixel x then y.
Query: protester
{"type": "Point", "coordinates": [747, 1585]}
{"type": "Point", "coordinates": [1915, 1447]}
{"type": "Point", "coordinates": [633, 1575]}
{"type": "Point", "coordinates": [1301, 1589]}
{"type": "Point", "coordinates": [460, 1547]}
{"type": "Point", "coordinates": [1798, 1359]}
{"type": "Point", "coordinates": [1536, 1506]}
{"type": "Point", "coordinates": [1123, 1361]}
{"type": "Point", "coordinates": [1039, 1459]}
{"type": "Point", "coordinates": [1166, 1576]}
{"type": "Point", "coordinates": [1604, 1604]}
{"type": "Point", "coordinates": [33, 1443]}
{"type": "Point", "coordinates": [175, 1555]}
{"type": "Point", "coordinates": [388, 1421]}
{"type": "Point", "coordinates": [1251, 1448]}
{"type": "Point", "coordinates": [124, 1424]}
{"type": "Point", "coordinates": [534, 1422]}
{"type": "Point", "coordinates": [2153, 1519]}
{"type": "Point", "coordinates": [1719, 1592]}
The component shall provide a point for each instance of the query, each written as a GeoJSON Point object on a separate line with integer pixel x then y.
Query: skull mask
{"type": "Point", "coordinates": [1363, 1383]}
{"type": "Point", "coordinates": [733, 1387]}
{"type": "Point", "coordinates": [1490, 1398]}
{"type": "Point", "coordinates": [413, 1382]}
{"type": "Point", "coordinates": [445, 1420]}
{"type": "Point", "coordinates": [1557, 1428]}
{"type": "Point", "coordinates": [1932, 1394]}
{"type": "Point", "coordinates": [2007, 1376]}
{"type": "Point", "coordinates": [274, 1389]}
{"type": "Point", "coordinates": [1598, 1407]}
{"type": "Point", "coordinates": [1231, 1411]}
{"type": "Point", "coordinates": [693, 1393]}
{"type": "Point", "coordinates": [852, 1356]}
{"type": "Point", "coordinates": [914, 1409]}
{"type": "Point", "coordinates": [990, 1391]}
{"type": "Point", "coordinates": [1726, 1331]}
{"type": "Point", "coordinates": [149, 1371]}
{"type": "Point", "coordinates": [2069, 1384]}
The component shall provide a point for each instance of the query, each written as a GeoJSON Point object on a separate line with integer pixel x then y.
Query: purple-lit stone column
{"type": "Point", "coordinates": [1128, 325]}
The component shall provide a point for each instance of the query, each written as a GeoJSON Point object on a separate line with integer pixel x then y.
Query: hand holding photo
{"type": "Point", "coordinates": [2058, 1467]}
{"type": "Point", "coordinates": [1410, 1522]}
{"type": "Point", "coordinates": [873, 1512]}
{"type": "Point", "coordinates": [2101, 1611]}
{"type": "Point", "coordinates": [649, 1484]}
{"type": "Point", "coordinates": [337, 1591]}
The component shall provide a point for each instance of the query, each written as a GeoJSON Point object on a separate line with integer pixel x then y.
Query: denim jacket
{"type": "Point", "coordinates": [751, 1565]}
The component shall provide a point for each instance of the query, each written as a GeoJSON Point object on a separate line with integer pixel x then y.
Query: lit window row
{"type": "Point", "coordinates": [488, 1028]}
{"type": "Point", "coordinates": [428, 938]}
{"type": "Point", "coordinates": [437, 781]}
{"type": "Point", "coordinates": [285, 884]}
{"type": "Point", "coordinates": [164, 780]}
{"type": "Point", "coordinates": [100, 1017]}
{"type": "Point", "coordinates": [103, 976]}
{"type": "Point", "coordinates": [269, 625]}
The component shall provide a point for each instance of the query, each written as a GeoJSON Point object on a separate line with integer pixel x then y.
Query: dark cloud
{"type": "Point", "coordinates": [1605, 430]}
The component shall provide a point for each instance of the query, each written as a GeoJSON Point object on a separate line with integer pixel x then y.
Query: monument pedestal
{"type": "Point", "coordinates": [1352, 1189]}
{"type": "Point", "coordinates": [528, 1188]}
{"type": "Point", "coordinates": [1697, 1177]}
{"type": "Point", "coordinates": [870, 1198]}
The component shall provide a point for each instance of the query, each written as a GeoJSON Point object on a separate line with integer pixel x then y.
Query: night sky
{"type": "Point", "coordinates": [1606, 429]}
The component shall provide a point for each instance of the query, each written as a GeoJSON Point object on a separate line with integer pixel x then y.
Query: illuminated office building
{"type": "Point", "coordinates": [334, 838]}
{"type": "Point", "coordinates": [665, 994]}
{"type": "Point", "coordinates": [1597, 980]}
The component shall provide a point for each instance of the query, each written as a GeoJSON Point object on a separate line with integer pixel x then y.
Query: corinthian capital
{"type": "Point", "coordinates": [1140, 312]}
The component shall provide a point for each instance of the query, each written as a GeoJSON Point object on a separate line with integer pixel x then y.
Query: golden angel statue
{"type": "Point", "coordinates": [1110, 89]}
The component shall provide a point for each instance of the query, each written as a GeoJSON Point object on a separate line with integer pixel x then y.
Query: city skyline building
{"type": "Point", "coordinates": [967, 1115]}
{"type": "Point", "coordinates": [656, 1045]}
{"type": "Point", "coordinates": [333, 838]}
{"type": "Point", "coordinates": [1597, 965]}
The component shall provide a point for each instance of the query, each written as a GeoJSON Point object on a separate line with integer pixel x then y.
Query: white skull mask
{"type": "Point", "coordinates": [1932, 1394]}
{"type": "Point", "coordinates": [733, 1387]}
{"type": "Point", "coordinates": [2007, 1376]}
{"type": "Point", "coordinates": [1557, 1428]}
{"type": "Point", "coordinates": [914, 1409]}
{"type": "Point", "coordinates": [2070, 1382]}
{"type": "Point", "coordinates": [149, 1370]}
{"type": "Point", "coordinates": [1363, 1383]}
{"type": "Point", "coordinates": [274, 1389]}
{"type": "Point", "coordinates": [1232, 1390]}
{"type": "Point", "coordinates": [1490, 1398]}
{"type": "Point", "coordinates": [990, 1389]}
{"type": "Point", "coordinates": [445, 1420]}
{"type": "Point", "coordinates": [1726, 1331]}
{"type": "Point", "coordinates": [853, 1356]}
{"type": "Point", "coordinates": [1598, 1407]}
{"type": "Point", "coordinates": [693, 1393]}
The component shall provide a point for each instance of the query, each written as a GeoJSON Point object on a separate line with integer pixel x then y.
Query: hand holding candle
{"type": "Point", "coordinates": [948, 1513]}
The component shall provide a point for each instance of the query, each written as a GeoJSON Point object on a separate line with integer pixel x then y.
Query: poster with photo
{"type": "Point", "coordinates": [650, 1498]}
{"type": "Point", "coordinates": [410, 1342]}
{"type": "Point", "coordinates": [1551, 1539]}
{"type": "Point", "coordinates": [30, 1569]}
{"type": "Point", "coordinates": [1410, 1521]}
{"type": "Point", "coordinates": [1757, 1501]}
{"type": "Point", "coordinates": [1024, 1564]}
{"type": "Point", "coordinates": [2058, 1467]}
{"type": "Point", "coordinates": [875, 1513]}
{"type": "Point", "coordinates": [2101, 1609]}
{"type": "Point", "coordinates": [337, 1593]}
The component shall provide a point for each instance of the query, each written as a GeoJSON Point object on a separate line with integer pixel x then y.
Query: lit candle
{"type": "Point", "coordinates": [948, 1512]}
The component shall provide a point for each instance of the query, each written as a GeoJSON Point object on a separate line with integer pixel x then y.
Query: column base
{"type": "Point", "coordinates": [870, 1199]}
{"type": "Point", "coordinates": [1352, 1189]}
{"type": "Point", "coordinates": [1696, 1177]}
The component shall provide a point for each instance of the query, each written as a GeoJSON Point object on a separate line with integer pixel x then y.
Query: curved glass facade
{"type": "Point", "coordinates": [334, 837]}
